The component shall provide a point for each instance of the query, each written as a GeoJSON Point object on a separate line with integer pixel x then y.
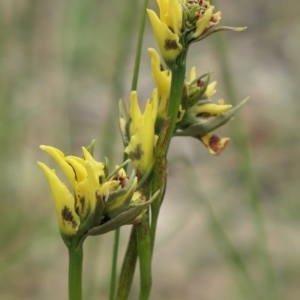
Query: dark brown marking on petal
{"type": "Point", "coordinates": [137, 153]}
{"type": "Point", "coordinates": [67, 215]}
{"type": "Point", "coordinates": [171, 28]}
{"type": "Point", "coordinates": [74, 224]}
{"type": "Point", "coordinates": [215, 145]}
{"type": "Point", "coordinates": [101, 179]}
{"type": "Point", "coordinates": [201, 83]}
{"type": "Point", "coordinates": [171, 45]}
{"type": "Point", "coordinates": [73, 171]}
{"type": "Point", "coordinates": [82, 202]}
{"type": "Point", "coordinates": [204, 115]}
{"type": "Point", "coordinates": [123, 180]}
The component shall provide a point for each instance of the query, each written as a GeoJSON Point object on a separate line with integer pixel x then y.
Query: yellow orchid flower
{"type": "Point", "coordinates": [142, 135]}
{"type": "Point", "coordinates": [163, 82]}
{"type": "Point", "coordinates": [93, 195]}
{"type": "Point", "coordinates": [84, 176]}
{"type": "Point", "coordinates": [167, 28]}
{"type": "Point", "coordinates": [68, 219]}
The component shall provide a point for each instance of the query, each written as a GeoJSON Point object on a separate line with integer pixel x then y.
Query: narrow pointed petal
{"type": "Point", "coordinates": [141, 146]}
{"type": "Point", "coordinates": [212, 109]}
{"type": "Point", "coordinates": [59, 157]}
{"type": "Point", "coordinates": [135, 112]}
{"type": "Point", "coordinates": [98, 167]}
{"type": "Point", "coordinates": [68, 220]}
{"type": "Point", "coordinates": [162, 78]}
{"type": "Point", "coordinates": [167, 41]}
{"type": "Point", "coordinates": [211, 89]}
{"type": "Point", "coordinates": [78, 167]}
{"type": "Point", "coordinates": [202, 23]}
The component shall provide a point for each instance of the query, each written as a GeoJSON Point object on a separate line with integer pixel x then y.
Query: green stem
{"type": "Point", "coordinates": [75, 272]}
{"type": "Point", "coordinates": [139, 48]}
{"type": "Point", "coordinates": [175, 96]}
{"type": "Point", "coordinates": [114, 265]}
{"type": "Point", "coordinates": [130, 258]}
{"type": "Point", "coordinates": [161, 150]}
{"type": "Point", "coordinates": [145, 254]}
{"type": "Point", "coordinates": [128, 267]}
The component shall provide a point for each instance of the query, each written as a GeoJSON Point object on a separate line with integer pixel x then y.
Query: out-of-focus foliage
{"type": "Point", "coordinates": [58, 86]}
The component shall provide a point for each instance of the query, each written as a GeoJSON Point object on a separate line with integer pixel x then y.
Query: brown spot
{"type": "Point", "coordinates": [201, 83]}
{"type": "Point", "coordinates": [123, 180]}
{"type": "Point", "coordinates": [82, 202]}
{"type": "Point", "coordinates": [216, 145]}
{"type": "Point", "coordinates": [171, 45]}
{"type": "Point", "coordinates": [66, 214]}
{"type": "Point", "coordinates": [213, 19]}
{"type": "Point", "coordinates": [204, 115]}
{"type": "Point", "coordinates": [100, 179]}
{"type": "Point", "coordinates": [137, 153]}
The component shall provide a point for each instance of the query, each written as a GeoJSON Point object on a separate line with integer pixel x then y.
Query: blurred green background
{"type": "Point", "coordinates": [63, 67]}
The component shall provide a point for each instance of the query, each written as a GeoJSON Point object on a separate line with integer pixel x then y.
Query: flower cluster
{"type": "Point", "coordinates": [99, 202]}
{"type": "Point", "coordinates": [138, 131]}
{"type": "Point", "coordinates": [181, 23]}
{"type": "Point", "coordinates": [201, 116]}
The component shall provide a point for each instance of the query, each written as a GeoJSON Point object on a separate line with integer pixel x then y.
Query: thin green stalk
{"type": "Point", "coordinates": [75, 272]}
{"type": "Point", "coordinates": [159, 180]}
{"type": "Point", "coordinates": [159, 172]}
{"type": "Point", "coordinates": [241, 142]}
{"type": "Point", "coordinates": [175, 96]}
{"type": "Point", "coordinates": [139, 48]}
{"type": "Point", "coordinates": [128, 267]}
{"type": "Point", "coordinates": [130, 258]}
{"type": "Point", "coordinates": [145, 254]}
{"type": "Point", "coordinates": [114, 265]}
{"type": "Point", "coordinates": [113, 277]}
{"type": "Point", "coordinates": [125, 37]}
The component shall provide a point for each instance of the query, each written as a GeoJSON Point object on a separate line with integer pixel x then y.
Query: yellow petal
{"type": "Point", "coordinates": [141, 146]}
{"type": "Point", "coordinates": [59, 157]}
{"type": "Point", "coordinates": [162, 79]}
{"type": "Point", "coordinates": [98, 167]}
{"type": "Point", "coordinates": [192, 74]}
{"type": "Point", "coordinates": [77, 164]}
{"type": "Point", "coordinates": [167, 41]}
{"type": "Point", "coordinates": [68, 220]}
{"type": "Point", "coordinates": [212, 109]}
{"type": "Point", "coordinates": [203, 22]}
{"type": "Point", "coordinates": [135, 113]}
{"type": "Point", "coordinates": [122, 124]}
{"type": "Point", "coordinates": [211, 89]}
{"type": "Point", "coordinates": [171, 14]}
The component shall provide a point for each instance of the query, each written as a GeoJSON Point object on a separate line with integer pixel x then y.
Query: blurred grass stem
{"type": "Point", "coordinates": [130, 258]}
{"type": "Point", "coordinates": [125, 38]}
{"type": "Point", "coordinates": [241, 142]}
